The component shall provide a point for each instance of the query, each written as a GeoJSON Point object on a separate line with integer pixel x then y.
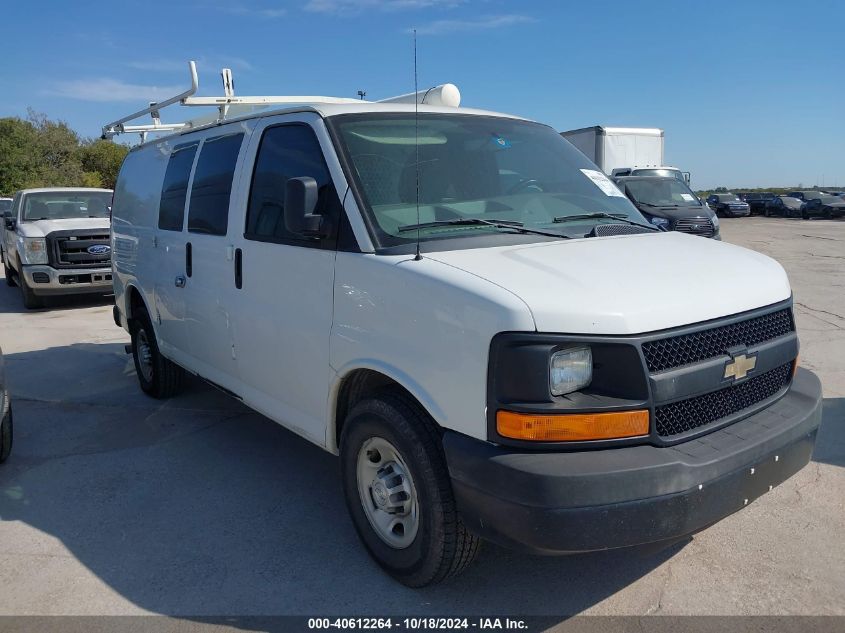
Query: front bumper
{"type": "Point", "coordinates": [594, 500]}
{"type": "Point", "coordinates": [46, 280]}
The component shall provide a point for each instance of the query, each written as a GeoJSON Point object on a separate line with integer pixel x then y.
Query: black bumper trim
{"type": "Point", "coordinates": [593, 500]}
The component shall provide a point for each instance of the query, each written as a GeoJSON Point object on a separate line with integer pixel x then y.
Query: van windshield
{"type": "Point", "coordinates": [471, 167]}
{"type": "Point", "coordinates": [661, 192]}
{"type": "Point", "coordinates": [63, 205]}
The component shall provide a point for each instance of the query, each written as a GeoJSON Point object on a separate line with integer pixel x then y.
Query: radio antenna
{"type": "Point", "coordinates": [418, 256]}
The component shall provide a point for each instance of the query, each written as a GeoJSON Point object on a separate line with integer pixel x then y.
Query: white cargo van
{"type": "Point", "coordinates": [487, 332]}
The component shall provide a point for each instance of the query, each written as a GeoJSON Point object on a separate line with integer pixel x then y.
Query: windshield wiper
{"type": "Point", "coordinates": [499, 224]}
{"type": "Point", "coordinates": [619, 217]}
{"type": "Point", "coordinates": [660, 206]}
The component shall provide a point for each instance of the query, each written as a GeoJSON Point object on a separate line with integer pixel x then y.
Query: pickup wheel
{"type": "Point", "coordinates": [399, 494]}
{"type": "Point", "coordinates": [6, 436]}
{"type": "Point", "coordinates": [10, 275]}
{"type": "Point", "coordinates": [30, 300]}
{"type": "Point", "coordinates": [158, 377]}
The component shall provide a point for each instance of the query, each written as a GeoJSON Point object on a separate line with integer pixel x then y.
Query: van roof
{"type": "Point", "coordinates": [325, 110]}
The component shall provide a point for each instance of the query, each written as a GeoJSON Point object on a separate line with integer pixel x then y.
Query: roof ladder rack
{"type": "Point", "coordinates": [444, 95]}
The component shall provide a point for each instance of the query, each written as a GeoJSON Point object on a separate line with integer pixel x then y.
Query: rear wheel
{"type": "Point", "coordinates": [399, 493]}
{"type": "Point", "coordinates": [804, 215]}
{"type": "Point", "coordinates": [826, 214]}
{"type": "Point", "coordinates": [158, 376]}
{"type": "Point", "coordinates": [30, 300]}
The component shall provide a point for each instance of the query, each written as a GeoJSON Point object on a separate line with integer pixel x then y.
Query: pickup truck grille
{"type": "Point", "coordinates": [696, 226]}
{"type": "Point", "coordinates": [685, 349]}
{"type": "Point", "coordinates": [69, 249]}
{"type": "Point", "coordinates": [686, 415]}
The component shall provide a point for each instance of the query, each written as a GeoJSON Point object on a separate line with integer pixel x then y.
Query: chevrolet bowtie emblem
{"type": "Point", "coordinates": [740, 366]}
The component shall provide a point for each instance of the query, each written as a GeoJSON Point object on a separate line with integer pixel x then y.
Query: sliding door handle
{"type": "Point", "coordinates": [239, 269]}
{"type": "Point", "coordinates": [189, 259]}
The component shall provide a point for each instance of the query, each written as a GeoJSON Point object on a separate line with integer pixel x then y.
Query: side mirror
{"type": "Point", "coordinates": [10, 223]}
{"type": "Point", "coordinates": [300, 202]}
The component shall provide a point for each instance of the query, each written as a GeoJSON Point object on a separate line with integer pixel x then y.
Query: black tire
{"type": "Point", "coordinates": [158, 376]}
{"type": "Point", "coordinates": [6, 436]}
{"type": "Point", "coordinates": [442, 546]}
{"type": "Point", "coordinates": [30, 300]}
{"type": "Point", "coordinates": [804, 215]}
{"type": "Point", "coordinates": [827, 215]}
{"type": "Point", "coordinates": [10, 275]}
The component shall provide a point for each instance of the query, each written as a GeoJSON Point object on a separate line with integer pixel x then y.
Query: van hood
{"type": "Point", "coordinates": [41, 228]}
{"type": "Point", "coordinates": [629, 284]}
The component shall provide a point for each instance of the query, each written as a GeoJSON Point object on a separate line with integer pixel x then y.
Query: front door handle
{"type": "Point", "coordinates": [180, 281]}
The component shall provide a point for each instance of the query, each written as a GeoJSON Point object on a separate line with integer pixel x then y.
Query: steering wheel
{"type": "Point", "coordinates": [525, 184]}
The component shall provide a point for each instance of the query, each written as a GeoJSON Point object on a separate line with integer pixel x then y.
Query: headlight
{"type": "Point", "coordinates": [570, 370]}
{"type": "Point", "coordinates": [33, 250]}
{"type": "Point", "coordinates": [660, 223]}
{"type": "Point", "coordinates": [715, 220]}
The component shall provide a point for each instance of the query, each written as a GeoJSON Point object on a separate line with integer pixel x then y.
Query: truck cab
{"type": "Point", "coordinates": [660, 171]}
{"type": "Point", "coordinates": [56, 242]}
{"type": "Point", "coordinates": [491, 337]}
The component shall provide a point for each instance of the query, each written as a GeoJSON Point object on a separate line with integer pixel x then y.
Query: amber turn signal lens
{"type": "Point", "coordinates": [795, 365]}
{"type": "Point", "coordinates": [572, 427]}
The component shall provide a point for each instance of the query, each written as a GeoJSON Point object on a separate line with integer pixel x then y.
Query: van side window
{"type": "Point", "coordinates": [209, 209]}
{"type": "Point", "coordinates": [171, 209]}
{"type": "Point", "coordinates": [287, 151]}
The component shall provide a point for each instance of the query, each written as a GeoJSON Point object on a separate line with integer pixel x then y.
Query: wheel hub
{"type": "Point", "coordinates": [387, 493]}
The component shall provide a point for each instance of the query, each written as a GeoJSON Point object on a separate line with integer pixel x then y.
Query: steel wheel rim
{"type": "Point", "coordinates": [387, 492]}
{"type": "Point", "coordinates": [145, 355]}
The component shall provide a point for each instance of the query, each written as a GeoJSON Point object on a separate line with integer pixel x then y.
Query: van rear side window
{"type": "Point", "coordinates": [212, 187]}
{"type": "Point", "coordinates": [171, 210]}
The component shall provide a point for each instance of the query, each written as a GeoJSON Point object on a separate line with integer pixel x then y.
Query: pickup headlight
{"type": "Point", "coordinates": [570, 370]}
{"type": "Point", "coordinates": [32, 250]}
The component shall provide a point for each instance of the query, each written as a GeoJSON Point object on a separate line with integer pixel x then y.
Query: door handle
{"type": "Point", "coordinates": [179, 281]}
{"type": "Point", "coordinates": [189, 259]}
{"type": "Point", "coordinates": [239, 269]}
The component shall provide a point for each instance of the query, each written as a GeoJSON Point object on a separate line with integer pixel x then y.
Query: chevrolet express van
{"type": "Point", "coordinates": [459, 304]}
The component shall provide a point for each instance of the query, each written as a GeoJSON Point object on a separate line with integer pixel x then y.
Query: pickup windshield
{"type": "Point", "coordinates": [664, 173]}
{"type": "Point", "coordinates": [661, 192]}
{"type": "Point", "coordinates": [487, 168]}
{"type": "Point", "coordinates": [63, 205]}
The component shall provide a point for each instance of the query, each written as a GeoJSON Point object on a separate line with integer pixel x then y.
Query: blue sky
{"type": "Point", "coordinates": [749, 93]}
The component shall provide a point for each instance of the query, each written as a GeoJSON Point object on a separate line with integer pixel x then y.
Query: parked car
{"type": "Point", "coordinates": [785, 206]}
{"type": "Point", "coordinates": [474, 317]}
{"type": "Point", "coordinates": [669, 204]}
{"type": "Point", "coordinates": [5, 212]}
{"type": "Point", "coordinates": [820, 204]}
{"type": "Point", "coordinates": [5, 414]}
{"type": "Point", "coordinates": [56, 242]}
{"type": "Point", "coordinates": [756, 200]}
{"type": "Point", "coordinates": [728, 205]}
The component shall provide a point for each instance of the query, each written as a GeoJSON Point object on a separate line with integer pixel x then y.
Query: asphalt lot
{"type": "Point", "coordinates": [113, 503]}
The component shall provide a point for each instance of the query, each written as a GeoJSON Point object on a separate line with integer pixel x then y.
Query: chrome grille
{"type": "Point", "coordinates": [696, 226]}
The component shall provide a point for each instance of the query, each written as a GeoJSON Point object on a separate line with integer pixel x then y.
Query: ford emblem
{"type": "Point", "coordinates": [99, 249]}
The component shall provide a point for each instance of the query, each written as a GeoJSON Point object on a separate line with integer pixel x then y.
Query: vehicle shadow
{"type": "Point", "coordinates": [830, 443]}
{"type": "Point", "coordinates": [197, 506]}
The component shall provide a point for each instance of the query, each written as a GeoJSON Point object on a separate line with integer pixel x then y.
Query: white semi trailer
{"type": "Point", "coordinates": [624, 151]}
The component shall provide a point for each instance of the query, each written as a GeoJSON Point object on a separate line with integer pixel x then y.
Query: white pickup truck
{"type": "Point", "coordinates": [457, 302]}
{"type": "Point", "coordinates": [56, 242]}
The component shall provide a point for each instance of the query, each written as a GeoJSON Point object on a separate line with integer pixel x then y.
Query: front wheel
{"type": "Point", "coordinates": [31, 301]}
{"type": "Point", "coordinates": [399, 493]}
{"type": "Point", "coordinates": [6, 436]}
{"type": "Point", "coordinates": [158, 376]}
{"type": "Point", "coordinates": [10, 275]}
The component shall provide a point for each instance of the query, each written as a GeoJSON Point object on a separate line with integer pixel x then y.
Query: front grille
{"type": "Point", "coordinates": [70, 250]}
{"type": "Point", "coordinates": [681, 350]}
{"type": "Point", "coordinates": [696, 226]}
{"type": "Point", "coordinates": [685, 415]}
{"type": "Point", "coordinates": [605, 230]}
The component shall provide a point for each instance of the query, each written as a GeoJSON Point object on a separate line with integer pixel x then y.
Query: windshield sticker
{"type": "Point", "coordinates": [502, 142]}
{"type": "Point", "coordinates": [603, 182]}
{"type": "Point", "coordinates": [688, 197]}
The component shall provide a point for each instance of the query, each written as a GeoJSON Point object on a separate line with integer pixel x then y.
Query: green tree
{"type": "Point", "coordinates": [101, 161]}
